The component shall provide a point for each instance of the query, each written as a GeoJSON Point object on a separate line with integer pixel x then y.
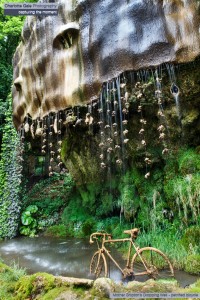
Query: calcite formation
{"type": "Point", "coordinates": [63, 60]}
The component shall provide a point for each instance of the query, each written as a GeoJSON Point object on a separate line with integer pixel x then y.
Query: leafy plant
{"type": "Point", "coordinates": [29, 226]}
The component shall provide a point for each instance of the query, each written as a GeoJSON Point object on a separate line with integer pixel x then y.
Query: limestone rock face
{"type": "Point", "coordinates": [63, 60]}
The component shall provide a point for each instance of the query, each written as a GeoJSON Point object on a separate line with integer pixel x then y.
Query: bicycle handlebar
{"type": "Point", "coordinates": [93, 236]}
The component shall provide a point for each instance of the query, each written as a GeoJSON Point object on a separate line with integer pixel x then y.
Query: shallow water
{"type": "Point", "coordinates": [62, 256]}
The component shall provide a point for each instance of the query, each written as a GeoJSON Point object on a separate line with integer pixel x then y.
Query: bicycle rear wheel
{"type": "Point", "coordinates": [98, 265]}
{"type": "Point", "coordinates": [157, 264]}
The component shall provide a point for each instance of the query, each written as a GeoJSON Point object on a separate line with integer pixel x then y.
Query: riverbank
{"type": "Point", "coordinates": [15, 284]}
{"type": "Point", "coordinates": [182, 248]}
{"type": "Point", "coordinates": [69, 257]}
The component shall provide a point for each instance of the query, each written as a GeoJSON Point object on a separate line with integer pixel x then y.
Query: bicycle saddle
{"type": "Point", "coordinates": [133, 232]}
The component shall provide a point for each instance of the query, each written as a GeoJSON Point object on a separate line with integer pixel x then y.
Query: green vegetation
{"type": "Point", "coordinates": [57, 230]}
{"type": "Point", "coordinates": [9, 276]}
{"type": "Point", "coordinates": [65, 209]}
{"type": "Point", "coordinates": [44, 204]}
{"type": "Point", "coordinates": [10, 30]}
{"type": "Point", "coordinates": [10, 163]}
{"type": "Point", "coordinates": [193, 264]}
{"type": "Point", "coordinates": [191, 238]}
{"type": "Point", "coordinates": [10, 178]}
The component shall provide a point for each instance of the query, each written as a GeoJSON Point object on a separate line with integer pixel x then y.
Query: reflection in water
{"type": "Point", "coordinates": [59, 256]}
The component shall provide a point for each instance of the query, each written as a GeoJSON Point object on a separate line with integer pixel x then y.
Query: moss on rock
{"type": "Point", "coordinates": [34, 285]}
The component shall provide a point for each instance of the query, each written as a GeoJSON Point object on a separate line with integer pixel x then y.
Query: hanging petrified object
{"type": "Point", "coordinates": [165, 150]}
{"type": "Point", "coordinates": [162, 135]}
{"type": "Point", "coordinates": [107, 126]}
{"type": "Point", "coordinates": [117, 147]}
{"type": "Point", "coordinates": [109, 150]}
{"type": "Point", "coordinates": [126, 141]}
{"type": "Point", "coordinates": [126, 96]}
{"type": "Point", "coordinates": [39, 130]}
{"type": "Point", "coordinates": [160, 113]}
{"type": "Point", "coordinates": [122, 85]}
{"type": "Point", "coordinates": [127, 105]}
{"type": "Point", "coordinates": [109, 140]}
{"type": "Point", "coordinates": [141, 131]}
{"type": "Point", "coordinates": [101, 145]}
{"type": "Point", "coordinates": [125, 122]}
{"type": "Point", "coordinates": [143, 142]}
{"type": "Point", "coordinates": [125, 132]}
{"type": "Point", "coordinates": [55, 124]}
{"type": "Point", "coordinates": [103, 165]}
{"type": "Point", "coordinates": [89, 119]}
{"type": "Point", "coordinates": [26, 127]}
{"type": "Point", "coordinates": [147, 175]}
{"type": "Point", "coordinates": [70, 118]}
{"type": "Point", "coordinates": [124, 110]}
{"type": "Point", "coordinates": [161, 128]}
{"type": "Point", "coordinates": [147, 160]}
{"type": "Point", "coordinates": [32, 130]}
{"type": "Point", "coordinates": [143, 121]}
{"type": "Point", "coordinates": [119, 162]}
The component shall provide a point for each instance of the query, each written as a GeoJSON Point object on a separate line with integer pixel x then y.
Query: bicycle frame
{"type": "Point", "coordinates": [149, 268]}
{"type": "Point", "coordinates": [132, 245]}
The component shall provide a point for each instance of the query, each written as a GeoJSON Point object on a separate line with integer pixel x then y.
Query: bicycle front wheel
{"type": "Point", "coordinates": [98, 265]}
{"type": "Point", "coordinates": [150, 262]}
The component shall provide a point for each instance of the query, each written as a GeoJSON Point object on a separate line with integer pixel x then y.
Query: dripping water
{"type": "Point", "coordinates": [120, 121]}
{"type": "Point", "coordinates": [109, 134]}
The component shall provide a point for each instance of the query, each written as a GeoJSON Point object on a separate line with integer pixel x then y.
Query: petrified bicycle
{"type": "Point", "coordinates": [147, 261]}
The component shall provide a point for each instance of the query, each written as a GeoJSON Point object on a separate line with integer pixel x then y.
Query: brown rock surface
{"type": "Point", "coordinates": [62, 61]}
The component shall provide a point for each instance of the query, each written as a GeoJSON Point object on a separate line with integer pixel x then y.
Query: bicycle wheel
{"type": "Point", "coordinates": [157, 264]}
{"type": "Point", "coordinates": [98, 265]}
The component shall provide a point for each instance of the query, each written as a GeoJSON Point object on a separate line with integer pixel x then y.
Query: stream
{"type": "Point", "coordinates": [63, 256]}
